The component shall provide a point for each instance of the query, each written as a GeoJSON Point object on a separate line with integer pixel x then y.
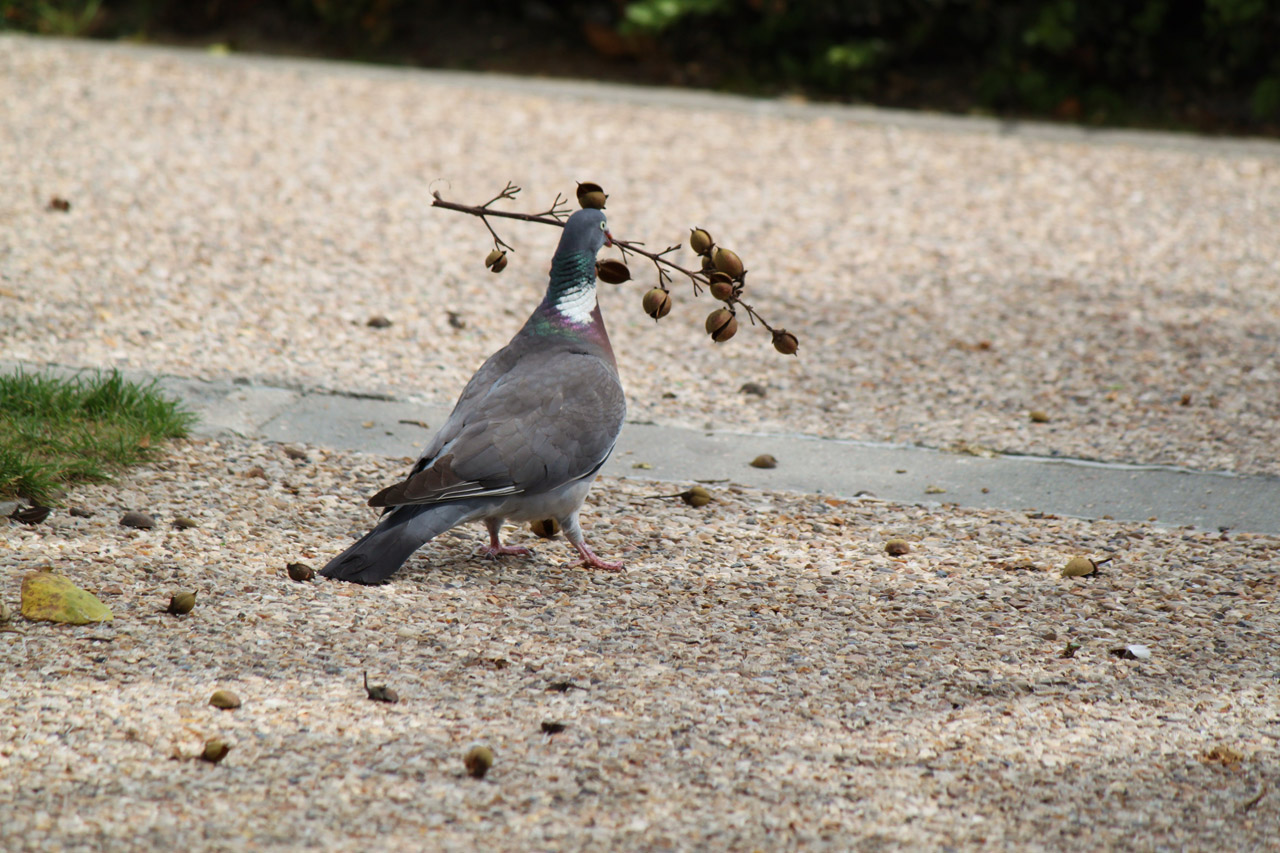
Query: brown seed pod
{"type": "Point", "coordinates": [728, 262]}
{"type": "Point", "coordinates": [591, 195]}
{"type": "Point", "coordinates": [215, 750]}
{"type": "Point", "coordinates": [478, 760]}
{"type": "Point", "coordinates": [224, 699]}
{"type": "Point", "coordinates": [300, 571]}
{"type": "Point", "coordinates": [496, 260]}
{"type": "Point", "coordinates": [1078, 567]}
{"type": "Point", "coordinates": [700, 241]}
{"type": "Point", "coordinates": [897, 547]}
{"type": "Point", "coordinates": [696, 497]}
{"type": "Point", "coordinates": [785, 342]}
{"type": "Point", "coordinates": [657, 303]}
{"type": "Point", "coordinates": [547, 528]}
{"type": "Point", "coordinates": [722, 290]}
{"type": "Point", "coordinates": [708, 265]}
{"type": "Point", "coordinates": [182, 602]}
{"type": "Point", "coordinates": [611, 271]}
{"type": "Point", "coordinates": [721, 325]}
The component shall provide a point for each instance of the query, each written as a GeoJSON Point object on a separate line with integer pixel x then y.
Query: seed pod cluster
{"type": "Point", "coordinates": [726, 277]}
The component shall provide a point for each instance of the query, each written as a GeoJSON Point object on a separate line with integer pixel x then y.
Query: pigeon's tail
{"type": "Point", "coordinates": [376, 555]}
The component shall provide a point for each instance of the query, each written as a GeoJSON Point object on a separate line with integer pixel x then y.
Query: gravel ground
{"type": "Point", "coordinates": [761, 676]}
{"type": "Point", "coordinates": [241, 219]}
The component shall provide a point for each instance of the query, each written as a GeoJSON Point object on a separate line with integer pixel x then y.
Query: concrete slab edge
{"type": "Point", "coordinates": [807, 464]}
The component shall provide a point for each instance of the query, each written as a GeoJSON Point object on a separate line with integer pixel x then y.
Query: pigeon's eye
{"type": "Point", "coordinates": [604, 226]}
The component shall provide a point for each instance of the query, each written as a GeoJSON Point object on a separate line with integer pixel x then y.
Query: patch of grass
{"type": "Point", "coordinates": [84, 429]}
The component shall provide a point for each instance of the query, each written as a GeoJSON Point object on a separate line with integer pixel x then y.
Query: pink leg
{"type": "Point", "coordinates": [591, 561]}
{"type": "Point", "coordinates": [495, 548]}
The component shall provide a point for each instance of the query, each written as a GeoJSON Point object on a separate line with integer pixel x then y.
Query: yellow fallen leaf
{"type": "Point", "coordinates": [47, 597]}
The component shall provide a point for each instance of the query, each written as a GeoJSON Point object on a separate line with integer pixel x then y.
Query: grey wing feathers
{"type": "Point", "coordinates": [552, 420]}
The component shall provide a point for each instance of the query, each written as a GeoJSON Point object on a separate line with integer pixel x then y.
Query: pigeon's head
{"type": "Point", "coordinates": [586, 231]}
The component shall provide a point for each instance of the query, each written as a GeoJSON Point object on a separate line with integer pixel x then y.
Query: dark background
{"type": "Point", "coordinates": [1207, 65]}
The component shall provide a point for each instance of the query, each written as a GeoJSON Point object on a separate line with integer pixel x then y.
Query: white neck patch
{"type": "Point", "coordinates": [576, 305]}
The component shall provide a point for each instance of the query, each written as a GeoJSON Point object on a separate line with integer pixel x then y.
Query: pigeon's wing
{"type": "Point", "coordinates": [550, 419]}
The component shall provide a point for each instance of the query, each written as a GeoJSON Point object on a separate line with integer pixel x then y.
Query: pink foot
{"type": "Point", "coordinates": [591, 561]}
{"type": "Point", "coordinates": [495, 551]}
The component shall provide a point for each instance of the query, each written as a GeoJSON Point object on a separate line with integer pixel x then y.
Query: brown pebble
{"type": "Point", "coordinates": [378, 322]}
{"type": "Point", "coordinates": [256, 471]}
{"type": "Point", "coordinates": [184, 523]}
{"type": "Point", "coordinates": [764, 460]}
{"type": "Point", "coordinates": [896, 547]}
{"type": "Point", "coordinates": [80, 512]}
{"type": "Point", "coordinates": [1038, 416]}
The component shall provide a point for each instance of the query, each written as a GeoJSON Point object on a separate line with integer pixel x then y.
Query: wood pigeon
{"type": "Point", "coordinates": [526, 438]}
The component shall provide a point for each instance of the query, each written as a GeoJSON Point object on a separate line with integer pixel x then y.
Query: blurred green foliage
{"type": "Point", "coordinates": [1090, 61]}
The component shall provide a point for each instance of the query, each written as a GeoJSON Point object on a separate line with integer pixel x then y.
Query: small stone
{"type": "Point", "coordinates": [80, 512]}
{"type": "Point", "coordinates": [897, 547]}
{"type": "Point", "coordinates": [256, 472]}
{"type": "Point", "coordinates": [1038, 416]}
{"type": "Point", "coordinates": [377, 321]}
{"type": "Point", "coordinates": [295, 453]}
{"type": "Point", "coordinates": [59, 204]}
{"type": "Point", "coordinates": [478, 760]}
{"type": "Point", "coordinates": [552, 728]}
{"type": "Point", "coordinates": [764, 460]}
{"type": "Point", "coordinates": [754, 388]}
{"type": "Point", "coordinates": [139, 520]}
{"type": "Point", "coordinates": [184, 523]}
{"type": "Point", "coordinates": [224, 699]}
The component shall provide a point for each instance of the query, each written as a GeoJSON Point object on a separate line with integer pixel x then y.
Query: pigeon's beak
{"type": "Point", "coordinates": [608, 238]}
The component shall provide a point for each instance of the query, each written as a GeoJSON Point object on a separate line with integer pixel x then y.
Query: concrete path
{"type": "Point", "coordinates": [840, 468]}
